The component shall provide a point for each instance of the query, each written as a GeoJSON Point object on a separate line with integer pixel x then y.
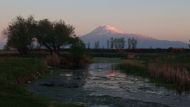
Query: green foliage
{"type": "Point", "coordinates": [20, 33]}
{"type": "Point", "coordinates": [13, 94]}
{"type": "Point", "coordinates": [15, 67]}
{"type": "Point", "coordinates": [77, 48]}
{"type": "Point", "coordinates": [134, 67]}
{"type": "Point", "coordinates": [54, 35]}
{"type": "Point", "coordinates": [78, 54]}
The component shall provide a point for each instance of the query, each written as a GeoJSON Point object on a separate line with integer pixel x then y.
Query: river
{"type": "Point", "coordinates": [102, 85]}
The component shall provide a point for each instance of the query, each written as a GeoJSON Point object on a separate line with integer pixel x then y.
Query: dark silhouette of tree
{"type": "Point", "coordinates": [108, 44]}
{"type": "Point", "coordinates": [129, 43]}
{"type": "Point", "coordinates": [54, 35]}
{"type": "Point", "coordinates": [122, 43]}
{"type": "Point", "coordinates": [88, 45]}
{"type": "Point", "coordinates": [116, 43]}
{"type": "Point", "coordinates": [112, 43]}
{"type": "Point", "coordinates": [77, 51]}
{"type": "Point", "coordinates": [97, 45]}
{"type": "Point", "coordinates": [132, 43]}
{"type": "Point", "coordinates": [25, 34]}
{"type": "Point", "coordinates": [20, 33]}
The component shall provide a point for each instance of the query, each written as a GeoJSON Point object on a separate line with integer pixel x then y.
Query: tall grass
{"type": "Point", "coordinates": [172, 73]}
{"type": "Point", "coordinates": [169, 70]}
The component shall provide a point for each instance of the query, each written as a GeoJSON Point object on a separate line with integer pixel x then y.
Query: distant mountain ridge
{"type": "Point", "coordinates": [104, 33]}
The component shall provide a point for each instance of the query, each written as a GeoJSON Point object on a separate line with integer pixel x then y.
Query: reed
{"type": "Point", "coordinates": [172, 73]}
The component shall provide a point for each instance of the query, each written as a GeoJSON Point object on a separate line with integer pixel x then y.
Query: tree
{"type": "Point", "coordinates": [129, 43]}
{"type": "Point", "coordinates": [108, 44]}
{"type": "Point", "coordinates": [112, 43]}
{"type": "Point", "coordinates": [54, 35]}
{"type": "Point", "coordinates": [132, 43]}
{"type": "Point", "coordinates": [97, 45]}
{"type": "Point", "coordinates": [77, 51]}
{"type": "Point", "coordinates": [88, 45]}
{"type": "Point", "coordinates": [20, 33]}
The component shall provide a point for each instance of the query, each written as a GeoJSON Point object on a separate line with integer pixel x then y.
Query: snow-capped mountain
{"type": "Point", "coordinates": [105, 33]}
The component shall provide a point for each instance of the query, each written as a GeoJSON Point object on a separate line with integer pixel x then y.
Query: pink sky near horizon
{"type": "Point", "coordinates": [160, 19]}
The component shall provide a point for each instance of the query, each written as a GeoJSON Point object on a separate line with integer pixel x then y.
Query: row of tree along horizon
{"type": "Point", "coordinates": [115, 43]}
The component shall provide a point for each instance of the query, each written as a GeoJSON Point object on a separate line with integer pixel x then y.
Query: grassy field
{"type": "Point", "coordinates": [15, 73]}
{"type": "Point", "coordinates": [166, 69]}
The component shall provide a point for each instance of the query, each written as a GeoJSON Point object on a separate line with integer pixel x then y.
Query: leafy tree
{"type": "Point", "coordinates": [77, 47]}
{"type": "Point", "coordinates": [77, 51]}
{"type": "Point", "coordinates": [54, 35]}
{"type": "Point", "coordinates": [20, 33]}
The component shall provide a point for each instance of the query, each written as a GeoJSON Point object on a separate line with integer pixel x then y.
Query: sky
{"type": "Point", "coordinates": [161, 19]}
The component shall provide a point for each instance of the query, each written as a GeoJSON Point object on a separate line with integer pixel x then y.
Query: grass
{"type": "Point", "coordinates": [15, 73]}
{"type": "Point", "coordinates": [171, 73]}
{"type": "Point", "coordinates": [18, 69]}
{"type": "Point", "coordinates": [169, 70]}
{"type": "Point", "coordinates": [134, 67]}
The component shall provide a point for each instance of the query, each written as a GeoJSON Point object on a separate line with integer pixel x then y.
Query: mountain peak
{"type": "Point", "coordinates": [110, 28]}
{"type": "Point", "coordinates": [106, 29]}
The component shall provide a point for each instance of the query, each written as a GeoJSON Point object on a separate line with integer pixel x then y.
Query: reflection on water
{"type": "Point", "coordinates": [104, 86]}
{"type": "Point", "coordinates": [68, 79]}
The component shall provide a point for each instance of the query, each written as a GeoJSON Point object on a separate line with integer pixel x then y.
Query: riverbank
{"type": "Point", "coordinates": [15, 74]}
{"type": "Point", "coordinates": [169, 70]}
{"type": "Point", "coordinates": [103, 85]}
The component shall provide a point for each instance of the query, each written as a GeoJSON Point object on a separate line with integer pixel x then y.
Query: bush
{"type": "Point", "coordinates": [53, 60]}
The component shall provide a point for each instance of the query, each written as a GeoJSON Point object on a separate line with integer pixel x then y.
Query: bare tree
{"type": "Point", "coordinates": [97, 45]}
{"type": "Point", "coordinates": [112, 43]}
{"type": "Point", "coordinates": [88, 45]}
{"type": "Point", "coordinates": [108, 44]}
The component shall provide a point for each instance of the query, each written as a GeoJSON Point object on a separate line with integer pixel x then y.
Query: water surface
{"type": "Point", "coordinates": [101, 85]}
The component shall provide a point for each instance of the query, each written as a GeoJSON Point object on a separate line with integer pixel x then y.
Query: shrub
{"type": "Point", "coordinates": [53, 60]}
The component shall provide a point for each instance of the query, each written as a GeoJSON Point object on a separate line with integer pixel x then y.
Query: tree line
{"type": "Point", "coordinates": [116, 43]}
{"type": "Point", "coordinates": [27, 34]}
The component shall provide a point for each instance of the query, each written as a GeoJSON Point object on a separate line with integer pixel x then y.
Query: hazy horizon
{"type": "Point", "coordinates": [160, 19]}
